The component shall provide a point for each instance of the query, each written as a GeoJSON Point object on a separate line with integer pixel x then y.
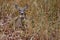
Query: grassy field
{"type": "Point", "coordinates": [42, 20]}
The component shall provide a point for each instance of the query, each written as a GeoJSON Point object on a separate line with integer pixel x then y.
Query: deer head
{"type": "Point", "coordinates": [20, 9]}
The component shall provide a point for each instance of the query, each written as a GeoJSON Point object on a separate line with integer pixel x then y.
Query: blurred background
{"type": "Point", "coordinates": [42, 20]}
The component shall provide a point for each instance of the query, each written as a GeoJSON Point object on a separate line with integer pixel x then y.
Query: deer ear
{"type": "Point", "coordinates": [17, 7]}
{"type": "Point", "coordinates": [26, 6]}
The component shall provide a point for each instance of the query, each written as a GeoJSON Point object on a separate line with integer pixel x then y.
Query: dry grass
{"type": "Point", "coordinates": [42, 20]}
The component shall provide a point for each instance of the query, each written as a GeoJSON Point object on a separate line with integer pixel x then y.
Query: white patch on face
{"type": "Point", "coordinates": [22, 11]}
{"type": "Point", "coordinates": [22, 16]}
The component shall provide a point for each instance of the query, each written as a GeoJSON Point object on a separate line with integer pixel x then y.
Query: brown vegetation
{"type": "Point", "coordinates": [42, 20]}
